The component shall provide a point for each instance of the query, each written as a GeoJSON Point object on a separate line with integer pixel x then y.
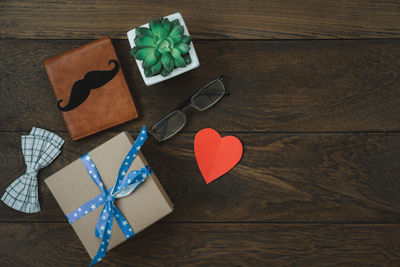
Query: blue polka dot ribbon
{"type": "Point", "coordinates": [125, 184]}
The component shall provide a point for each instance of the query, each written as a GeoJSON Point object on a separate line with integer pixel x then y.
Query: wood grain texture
{"type": "Point", "coordinates": [174, 244]}
{"type": "Point", "coordinates": [276, 86]}
{"type": "Point", "coordinates": [248, 19]}
{"type": "Point", "coordinates": [318, 184]}
{"type": "Point", "coordinates": [281, 178]}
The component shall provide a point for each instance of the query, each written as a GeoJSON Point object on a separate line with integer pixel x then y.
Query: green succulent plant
{"type": "Point", "coordinates": [162, 47]}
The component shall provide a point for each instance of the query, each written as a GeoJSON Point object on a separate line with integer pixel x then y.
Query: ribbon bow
{"type": "Point", "coordinates": [39, 148]}
{"type": "Point", "coordinates": [125, 184]}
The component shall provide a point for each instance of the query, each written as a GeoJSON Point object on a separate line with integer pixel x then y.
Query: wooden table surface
{"type": "Point", "coordinates": [315, 99]}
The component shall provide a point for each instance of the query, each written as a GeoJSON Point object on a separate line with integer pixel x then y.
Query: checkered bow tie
{"type": "Point", "coordinates": [40, 148]}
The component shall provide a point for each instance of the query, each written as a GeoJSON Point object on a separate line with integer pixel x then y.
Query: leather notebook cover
{"type": "Point", "coordinates": [90, 88]}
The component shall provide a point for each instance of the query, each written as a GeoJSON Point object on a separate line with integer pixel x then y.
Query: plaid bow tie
{"type": "Point", "coordinates": [40, 148]}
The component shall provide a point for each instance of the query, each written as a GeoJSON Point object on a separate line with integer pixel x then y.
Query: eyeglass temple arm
{"type": "Point", "coordinates": [187, 102]}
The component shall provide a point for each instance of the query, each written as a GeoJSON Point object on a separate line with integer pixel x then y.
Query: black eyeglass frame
{"type": "Point", "coordinates": [190, 103]}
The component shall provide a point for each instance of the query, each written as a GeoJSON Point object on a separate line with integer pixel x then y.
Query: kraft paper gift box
{"type": "Point", "coordinates": [72, 187]}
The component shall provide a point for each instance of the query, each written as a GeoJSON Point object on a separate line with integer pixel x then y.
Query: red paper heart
{"type": "Point", "coordinates": [215, 155]}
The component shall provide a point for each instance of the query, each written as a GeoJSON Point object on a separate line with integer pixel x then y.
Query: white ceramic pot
{"type": "Point", "coordinates": [177, 71]}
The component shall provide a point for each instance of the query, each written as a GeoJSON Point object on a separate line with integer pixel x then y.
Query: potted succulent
{"type": "Point", "coordinates": [163, 49]}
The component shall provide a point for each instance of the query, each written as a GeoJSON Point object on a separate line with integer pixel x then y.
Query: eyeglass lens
{"type": "Point", "coordinates": [209, 95]}
{"type": "Point", "coordinates": [169, 125]}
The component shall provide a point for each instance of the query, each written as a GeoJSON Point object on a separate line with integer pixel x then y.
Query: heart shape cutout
{"type": "Point", "coordinates": [215, 155]}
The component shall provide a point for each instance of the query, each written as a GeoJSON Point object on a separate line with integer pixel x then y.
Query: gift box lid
{"type": "Point", "coordinates": [72, 187]}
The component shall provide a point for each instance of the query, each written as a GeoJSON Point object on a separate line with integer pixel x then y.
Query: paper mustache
{"type": "Point", "coordinates": [92, 80]}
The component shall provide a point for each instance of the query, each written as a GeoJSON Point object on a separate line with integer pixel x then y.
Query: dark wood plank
{"type": "Point", "coordinates": [281, 178]}
{"type": "Point", "coordinates": [173, 244]}
{"type": "Point", "coordinates": [276, 86]}
{"type": "Point", "coordinates": [249, 19]}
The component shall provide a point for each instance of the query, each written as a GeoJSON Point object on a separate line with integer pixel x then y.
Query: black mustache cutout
{"type": "Point", "coordinates": [92, 80]}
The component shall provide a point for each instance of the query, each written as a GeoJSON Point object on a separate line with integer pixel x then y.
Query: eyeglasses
{"type": "Point", "coordinates": [203, 99]}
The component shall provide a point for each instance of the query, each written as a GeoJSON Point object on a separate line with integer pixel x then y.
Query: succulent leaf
{"type": "Point", "coordinates": [184, 48]}
{"type": "Point", "coordinates": [187, 58]}
{"type": "Point", "coordinates": [134, 51]}
{"type": "Point", "coordinates": [167, 62]}
{"type": "Point", "coordinates": [175, 22]}
{"type": "Point", "coordinates": [140, 31]}
{"type": "Point", "coordinates": [150, 60]}
{"type": "Point", "coordinates": [175, 53]}
{"type": "Point", "coordinates": [186, 39]}
{"type": "Point", "coordinates": [165, 72]}
{"type": "Point", "coordinates": [177, 29]}
{"type": "Point", "coordinates": [176, 38]}
{"type": "Point", "coordinates": [148, 73]}
{"type": "Point", "coordinates": [144, 41]}
{"type": "Point", "coordinates": [166, 25]}
{"type": "Point", "coordinates": [144, 52]}
{"type": "Point", "coordinates": [155, 39]}
{"type": "Point", "coordinates": [156, 27]}
{"type": "Point", "coordinates": [156, 68]}
{"type": "Point", "coordinates": [176, 33]}
{"type": "Point", "coordinates": [179, 62]}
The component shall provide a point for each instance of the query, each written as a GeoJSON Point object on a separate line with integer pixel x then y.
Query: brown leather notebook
{"type": "Point", "coordinates": [90, 88]}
